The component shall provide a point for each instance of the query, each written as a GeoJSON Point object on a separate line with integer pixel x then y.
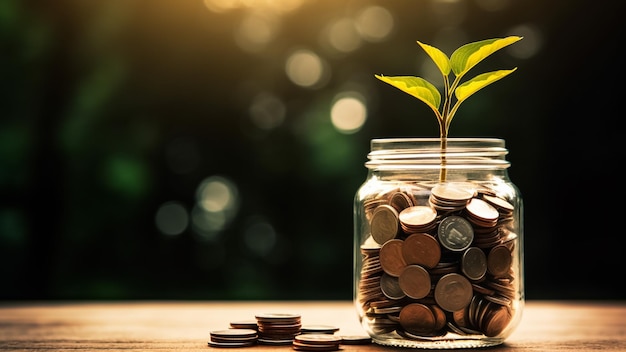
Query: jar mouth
{"type": "Point", "coordinates": [428, 153]}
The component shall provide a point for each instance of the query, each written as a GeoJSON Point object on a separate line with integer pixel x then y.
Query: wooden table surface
{"type": "Point", "coordinates": [185, 325]}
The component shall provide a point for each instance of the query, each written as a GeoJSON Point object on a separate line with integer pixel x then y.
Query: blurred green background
{"type": "Point", "coordinates": [194, 149]}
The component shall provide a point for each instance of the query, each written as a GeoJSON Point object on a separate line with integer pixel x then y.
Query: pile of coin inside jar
{"type": "Point", "coordinates": [438, 259]}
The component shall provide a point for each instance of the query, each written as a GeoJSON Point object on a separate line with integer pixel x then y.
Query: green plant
{"type": "Point", "coordinates": [458, 64]}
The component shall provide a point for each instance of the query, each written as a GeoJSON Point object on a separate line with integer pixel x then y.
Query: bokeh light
{"type": "Point", "coordinates": [172, 218]}
{"type": "Point", "coordinates": [348, 113]}
{"type": "Point", "coordinates": [343, 35]}
{"type": "Point", "coordinates": [306, 69]}
{"type": "Point", "coordinates": [256, 31]}
{"type": "Point", "coordinates": [532, 43]}
{"type": "Point", "coordinates": [375, 23]}
{"type": "Point", "coordinates": [217, 203]}
{"type": "Point", "coordinates": [260, 237]}
{"type": "Point", "coordinates": [267, 111]}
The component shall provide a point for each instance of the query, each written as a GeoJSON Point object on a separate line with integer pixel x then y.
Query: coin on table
{"type": "Point", "coordinates": [316, 342]}
{"type": "Point", "coordinates": [384, 223]}
{"type": "Point", "coordinates": [320, 339]}
{"type": "Point", "coordinates": [453, 292]}
{"type": "Point", "coordinates": [422, 249]}
{"type": "Point", "coordinates": [244, 324]}
{"type": "Point", "coordinates": [355, 339]}
{"type": "Point", "coordinates": [499, 260]}
{"type": "Point", "coordinates": [391, 258]}
{"type": "Point", "coordinates": [318, 329]}
{"type": "Point", "coordinates": [455, 233]}
{"type": "Point", "coordinates": [233, 338]}
{"type": "Point", "coordinates": [415, 281]}
{"type": "Point", "coordinates": [474, 263]}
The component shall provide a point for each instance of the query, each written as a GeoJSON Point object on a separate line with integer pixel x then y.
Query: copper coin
{"type": "Point", "coordinates": [499, 203]}
{"type": "Point", "coordinates": [499, 260]}
{"type": "Point", "coordinates": [422, 249]}
{"type": "Point", "coordinates": [417, 318]}
{"type": "Point", "coordinates": [452, 192]}
{"type": "Point", "coordinates": [419, 215]}
{"type": "Point", "coordinates": [455, 233]}
{"type": "Point", "coordinates": [496, 321]}
{"type": "Point", "coordinates": [453, 292]}
{"type": "Point", "coordinates": [400, 201]}
{"type": "Point", "coordinates": [474, 263]}
{"type": "Point", "coordinates": [482, 210]}
{"type": "Point", "coordinates": [440, 317]}
{"type": "Point", "coordinates": [384, 223]}
{"type": "Point", "coordinates": [415, 281]}
{"type": "Point", "coordinates": [391, 258]}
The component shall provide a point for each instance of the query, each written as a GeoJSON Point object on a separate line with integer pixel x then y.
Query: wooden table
{"type": "Point", "coordinates": [171, 326]}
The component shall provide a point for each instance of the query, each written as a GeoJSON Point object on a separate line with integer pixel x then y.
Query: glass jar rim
{"type": "Point", "coordinates": [428, 153]}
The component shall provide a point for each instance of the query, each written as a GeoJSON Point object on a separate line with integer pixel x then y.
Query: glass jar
{"type": "Point", "coordinates": [438, 244]}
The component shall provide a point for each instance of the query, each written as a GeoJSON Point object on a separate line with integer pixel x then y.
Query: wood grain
{"type": "Point", "coordinates": [171, 326]}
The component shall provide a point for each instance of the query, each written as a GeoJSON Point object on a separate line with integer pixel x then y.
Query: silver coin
{"type": "Point", "coordinates": [455, 233]}
{"type": "Point", "coordinates": [390, 287]}
{"type": "Point", "coordinates": [474, 263]}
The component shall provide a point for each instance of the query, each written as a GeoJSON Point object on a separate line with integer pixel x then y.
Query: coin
{"type": "Point", "coordinates": [422, 249]}
{"type": "Point", "coordinates": [482, 210]}
{"type": "Point", "coordinates": [419, 215]}
{"type": "Point", "coordinates": [319, 329]}
{"type": "Point", "coordinates": [234, 333]}
{"type": "Point", "coordinates": [400, 201]}
{"type": "Point", "coordinates": [391, 287]}
{"type": "Point", "coordinates": [496, 321]}
{"type": "Point", "coordinates": [499, 203]}
{"type": "Point", "coordinates": [417, 318]}
{"type": "Point", "coordinates": [453, 292]}
{"type": "Point", "coordinates": [455, 233]}
{"type": "Point", "coordinates": [316, 342]}
{"type": "Point", "coordinates": [414, 281]}
{"type": "Point", "coordinates": [384, 223]}
{"type": "Point", "coordinates": [391, 258]}
{"type": "Point", "coordinates": [474, 263]}
{"type": "Point", "coordinates": [318, 339]}
{"type": "Point", "coordinates": [355, 339]}
{"type": "Point", "coordinates": [244, 324]}
{"type": "Point", "coordinates": [499, 260]}
{"type": "Point", "coordinates": [453, 192]}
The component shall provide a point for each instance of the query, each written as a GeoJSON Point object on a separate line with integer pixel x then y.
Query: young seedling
{"type": "Point", "coordinates": [462, 60]}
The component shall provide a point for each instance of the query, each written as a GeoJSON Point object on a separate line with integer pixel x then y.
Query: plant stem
{"type": "Point", "coordinates": [443, 147]}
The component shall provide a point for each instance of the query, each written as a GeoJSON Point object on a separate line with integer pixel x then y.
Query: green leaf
{"type": "Point", "coordinates": [439, 58]}
{"type": "Point", "coordinates": [469, 55]}
{"type": "Point", "coordinates": [417, 87]}
{"type": "Point", "coordinates": [479, 82]}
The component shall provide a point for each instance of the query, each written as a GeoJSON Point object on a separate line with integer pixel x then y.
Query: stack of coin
{"type": "Point", "coordinates": [422, 265]}
{"type": "Point", "coordinates": [419, 218]}
{"type": "Point", "coordinates": [481, 317]}
{"type": "Point", "coordinates": [316, 342]}
{"type": "Point", "coordinates": [278, 328]}
{"type": "Point", "coordinates": [449, 197]}
{"type": "Point", "coordinates": [233, 338]}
